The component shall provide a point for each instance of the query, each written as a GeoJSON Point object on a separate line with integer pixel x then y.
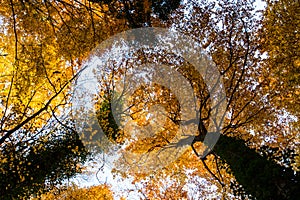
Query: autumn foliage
{"type": "Point", "coordinates": [44, 48]}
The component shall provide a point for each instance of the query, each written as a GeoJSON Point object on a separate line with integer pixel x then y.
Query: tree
{"type": "Point", "coordinates": [43, 64]}
{"type": "Point", "coordinates": [280, 35]}
{"type": "Point", "coordinates": [43, 47]}
{"type": "Point", "coordinates": [36, 165]}
{"type": "Point", "coordinates": [279, 41]}
{"type": "Point", "coordinates": [43, 44]}
{"type": "Point", "coordinates": [36, 73]}
{"type": "Point", "coordinates": [260, 175]}
{"type": "Point", "coordinates": [230, 35]}
{"type": "Point", "coordinates": [137, 14]}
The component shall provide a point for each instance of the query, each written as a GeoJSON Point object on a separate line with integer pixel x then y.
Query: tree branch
{"type": "Point", "coordinates": [10, 132]}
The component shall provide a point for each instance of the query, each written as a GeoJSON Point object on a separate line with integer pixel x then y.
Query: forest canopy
{"type": "Point", "coordinates": [151, 99]}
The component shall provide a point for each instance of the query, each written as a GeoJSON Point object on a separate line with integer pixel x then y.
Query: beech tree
{"type": "Point", "coordinates": [263, 167]}
{"type": "Point", "coordinates": [42, 46]}
{"type": "Point", "coordinates": [39, 146]}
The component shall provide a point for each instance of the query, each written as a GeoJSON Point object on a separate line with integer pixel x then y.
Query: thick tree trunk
{"type": "Point", "coordinates": [261, 177]}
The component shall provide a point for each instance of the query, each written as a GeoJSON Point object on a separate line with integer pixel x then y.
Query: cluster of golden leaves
{"type": "Point", "coordinates": [73, 192]}
{"type": "Point", "coordinates": [42, 45]}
